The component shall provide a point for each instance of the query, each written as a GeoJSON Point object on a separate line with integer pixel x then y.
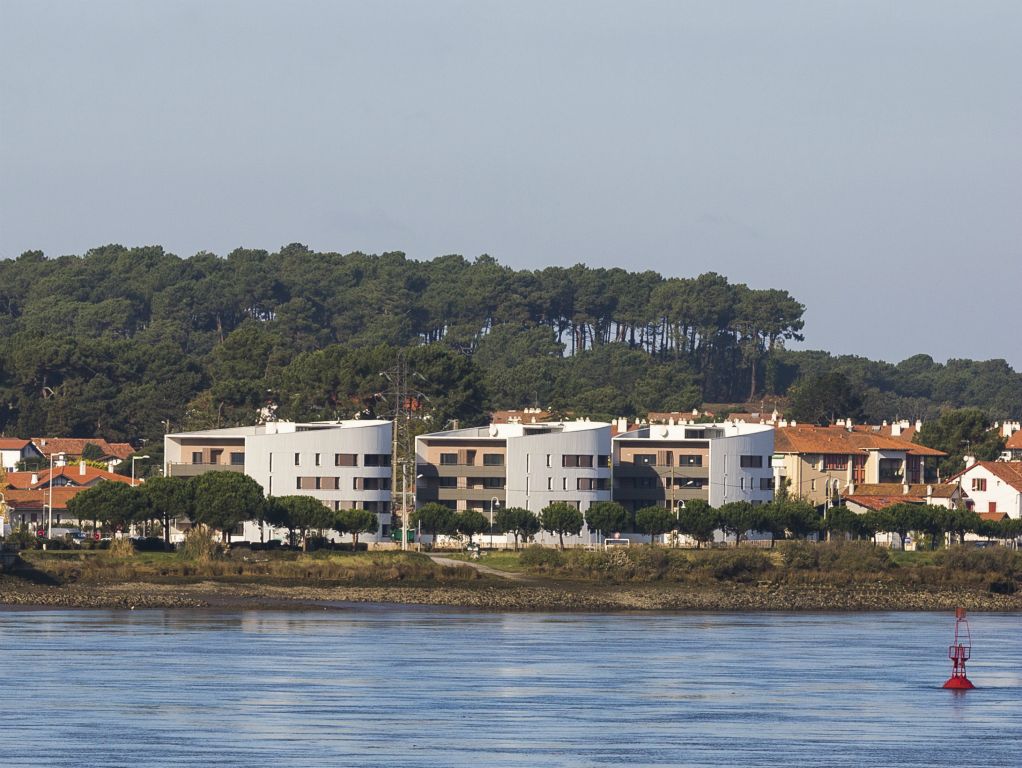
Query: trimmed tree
{"type": "Point", "coordinates": [561, 518]}
{"type": "Point", "coordinates": [224, 499]}
{"type": "Point", "coordinates": [168, 497]}
{"type": "Point", "coordinates": [434, 519]}
{"type": "Point", "coordinates": [699, 520]}
{"type": "Point", "coordinates": [471, 522]}
{"type": "Point", "coordinates": [519, 522]}
{"type": "Point", "coordinates": [654, 521]}
{"type": "Point", "coordinates": [111, 503]}
{"type": "Point", "coordinates": [606, 517]}
{"type": "Point", "coordinates": [842, 520]}
{"type": "Point", "coordinates": [738, 518]}
{"type": "Point", "coordinates": [356, 522]}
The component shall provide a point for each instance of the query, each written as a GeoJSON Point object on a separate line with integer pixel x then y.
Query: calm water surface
{"type": "Point", "coordinates": [395, 686]}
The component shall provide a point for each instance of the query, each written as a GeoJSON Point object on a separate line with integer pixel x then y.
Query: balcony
{"type": "Point", "coordinates": [194, 470]}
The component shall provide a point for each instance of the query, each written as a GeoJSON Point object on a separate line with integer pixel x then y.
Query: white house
{"type": "Point", "coordinates": [14, 450]}
{"type": "Point", "coordinates": [993, 487]}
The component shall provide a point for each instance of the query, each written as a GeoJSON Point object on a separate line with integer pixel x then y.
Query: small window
{"type": "Point", "coordinates": [979, 483]}
{"type": "Point", "coordinates": [549, 459]}
{"type": "Point", "coordinates": [196, 457]}
{"type": "Point", "coordinates": [447, 482]}
{"type": "Point", "coordinates": [271, 463]}
{"type": "Point", "coordinates": [766, 483]}
{"type": "Point", "coordinates": [493, 459]}
{"type": "Point", "coordinates": [645, 459]}
{"type": "Point", "coordinates": [237, 459]}
{"type": "Point", "coordinates": [345, 459]}
{"type": "Point", "coordinates": [690, 460]}
{"type": "Point", "coordinates": [549, 483]}
{"type": "Point", "coordinates": [298, 459]}
{"type": "Point", "coordinates": [753, 462]}
{"type": "Point", "coordinates": [604, 460]}
{"type": "Point", "coordinates": [448, 459]}
{"type": "Point", "coordinates": [585, 461]}
{"type": "Point", "coordinates": [812, 485]}
{"type": "Point", "coordinates": [494, 482]}
{"type": "Point", "coordinates": [741, 483]}
{"type": "Point", "coordinates": [377, 459]}
{"type": "Point", "coordinates": [298, 483]}
{"type": "Point", "coordinates": [316, 460]}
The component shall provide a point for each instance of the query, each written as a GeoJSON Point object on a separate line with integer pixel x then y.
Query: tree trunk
{"type": "Point", "coordinates": [561, 535]}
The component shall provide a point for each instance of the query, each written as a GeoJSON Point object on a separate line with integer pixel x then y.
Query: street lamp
{"type": "Point", "coordinates": [49, 520]}
{"type": "Point", "coordinates": [133, 460]}
{"type": "Point", "coordinates": [494, 501]}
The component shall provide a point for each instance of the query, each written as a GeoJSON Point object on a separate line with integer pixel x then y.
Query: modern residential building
{"type": "Point", "coordinates": [14, 450]}
{"type": "Point", "coordinates": [344, 464]}
{"type": "Point", "coordinates": [669, 464]}
{"type": "Point", "coordinates": [818, 463]}
{"type": "Point", "coordinates": [993, 487]}
{"type": "Point", "coordinates": [515, 464]}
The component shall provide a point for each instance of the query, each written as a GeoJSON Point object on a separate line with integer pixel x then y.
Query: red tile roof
{"type": "Point", "coordinates": [812, 439]}
{"type": "Point", "coordinates": [74, 474]}
{"type": "Point", "coordinates": [883, 502]}
{"type": "Point", "coordinates": [73, 446]}
{"type": "Point", "coordinates": [940, 490]}
{"type": "Point", "coordinates": [1014, 443]}
{"type": "Point", "coordinates": [1008, 471]}
{"type": "Point", "coordinates": [12, 443]}
{"type": "Point", "coordinates": [22, 500]}
{"type": "Point", "coordinates": [995, 516]}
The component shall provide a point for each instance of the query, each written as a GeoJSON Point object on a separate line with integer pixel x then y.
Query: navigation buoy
{"type": "Point", "coordinates": [959, 653]}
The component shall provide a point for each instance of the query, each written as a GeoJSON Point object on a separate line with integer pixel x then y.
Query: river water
{"type": "Point", "coordinates": [409, 686]}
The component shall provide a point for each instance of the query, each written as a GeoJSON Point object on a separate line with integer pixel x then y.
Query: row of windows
{"type": "Point", "coordinates": [580, 484]}
{"type": "Point", "coordinates": [472, 482]}
{"type": "Point", "coordinates": [237, 458]}
{"type": "Point", "coordinates": [344, 460]}
{"type": "Point", "coordinates": [468, 458]}
{"type": "Point", "coordinates": [334, 483]}
{"type": "Point", "coordinates": [666, 459]}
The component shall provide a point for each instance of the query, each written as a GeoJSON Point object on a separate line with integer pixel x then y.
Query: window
{"type": "Point", "coordinates": [237, 459]}
{"type": "Point", "coordinates": [447, 482]}
{"type": "Point", "coordinates": [750, 462]}
{"type": "Point", "coordinates": [604, 460]}
{"type": "Point", "coordinates": [196, 457]}
{"type": "Point", "coordinates": [298, 483]}
{"type": "Point", "coordinates": [591, 484]}
{"type": "Point", "coordinates": [645, 459]}
{"type": "Point", "coordinates": [858, 469]}
{"type": "Point", "coordinates": [577, 460]}
{"type": "Point", "coordinates": [493, 459]}
{"type": "Point", "coordinates": [835, 462]}
{"type": "Point", "coordinates": [690, 460]}
{"type": "Point", "coordinates": [298, 459]}
{"type": "Point", "coordinates": [345, 459]}
{"type": "Point", "coordinates": [549, 460]}
{"type": "Point", "coordinates": [564, 483]}
{"type": "Point", "coordinates": [992, 506]}
{"type": "Point", "coordinates": [448, 459]}
{"type": "Point", "coordinates": [812, 484]}
{"type": "Point", "coordinates": [315, 459]}
{"type": "Point", "coordinates": [979, 483]}
{"type": "Point", "coordinates": [766, 483]}
{"type": "Point", "coordinates": [549, 483]}
{"type": "Point", "coordinates": [319, 483]}
{"type": "Point", "coordinates": [271, 463]}
{"type": "Point", "coordinates": [377, 459]}
{"type": "Point", "coordinates": [494, 482]}
{"type": "Point", "coordinates": [890, 470]}
{"type": "Point", "coordinates": [741, 483]}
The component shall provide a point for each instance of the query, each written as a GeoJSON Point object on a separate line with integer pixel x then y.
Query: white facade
{"type": "Point", "coordinates": [993, 487]}
{"type": "Point", "coordinates": [343, 464]}
{"type": "Point", "coordinates": [12, 453]}
{"type": "Point", "coordinates": [515, 465]}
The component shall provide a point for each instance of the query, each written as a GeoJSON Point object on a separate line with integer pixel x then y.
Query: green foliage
{"type": "Point", "coordinates": [224, 499]}
{"type": "Point", "coordinates": [471, 522]}
{"type": "Point", "coordinates": [739, 564]}
{"type": "Point", "coordinates": [519, 522]}
{"type": "Point", "coordinates": [738, 518]}
{"type": "Point", "coordinates": [92, 452]}
{"type": "Point", "coordinates": [199, 546]}
{"type": "Point", "coordinates": [541, 559]}
{"type": "Point", "coordinates": [823, 399]}
{"type": "Point", "coordinates": [434, 519]}
{"type": "Point", "coordinates": [109, 503]}
{"type": "Point", "coordinates": [168, 498]}
{"type": "Point", "coordinates": [958, 433]}
{"type": "Point", "coordinates": [654, 521]}
{"type": "Point", "coordinates": [607, 517]}
{"type": "Point", "coordinates": [561, 518]}
{"type": "Point", "coordinates": [355, 522]}
{"type": "Point", "coordinates": [699, 520]}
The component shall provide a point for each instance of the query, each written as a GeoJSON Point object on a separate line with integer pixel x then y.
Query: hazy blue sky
{"type": "Point", "coordinates": [867, 156]}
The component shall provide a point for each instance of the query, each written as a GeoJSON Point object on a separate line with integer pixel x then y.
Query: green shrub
{"type": "Point", "coordinates": [540, 558]}
{"type": "Point", "coordinates": [997, 560]}
{"type": "Point", "coordinates": [853, 557]}
{"type": "Point", "coordinates": [738, 564]}
{"type": "Point", "coordinates": [800, 555]}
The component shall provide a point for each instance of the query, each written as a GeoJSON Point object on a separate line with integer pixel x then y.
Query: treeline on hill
{"type": "Point", "coordinates": [124, 343]}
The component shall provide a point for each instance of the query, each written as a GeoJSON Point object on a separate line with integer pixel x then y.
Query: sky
{"type": "Point", "coordinates": [865, 156]}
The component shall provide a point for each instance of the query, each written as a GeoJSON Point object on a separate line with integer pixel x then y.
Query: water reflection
{"type": "Point", "coordinates": [381, 686]}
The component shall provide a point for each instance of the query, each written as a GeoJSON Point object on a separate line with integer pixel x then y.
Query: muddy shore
{"type": "Point", "coordinates": [535, 596]}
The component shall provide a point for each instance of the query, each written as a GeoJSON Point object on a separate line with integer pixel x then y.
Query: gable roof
{"type": "Point", "coordinates": [12, 443]}
{"type": "Point", "coordinates": [1009, 472]}
{"type": "Point", "coordinates": [839, 440]}
{"type": "Point", "coordinates": [1014, 443]}
{"type": "Point", "coordinates": [882, 502]}
{"type": "Point", "coordinates": [73, 446]}
{"type": "Point", "coordinates": [31, 500]}
{"type": "Point", "coordinates": [940, 490]}
{"type": "Point", "coordinates": [73, 473]}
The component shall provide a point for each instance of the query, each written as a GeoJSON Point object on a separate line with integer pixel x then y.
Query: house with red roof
{"type": "Point", "coordinates": [1013, 447]}
{"type": "Point", "coordinates": [14, 450]}
{"type": "Point", "coordinates": [67, 450]}
{"type": "Point", "coordinates": [818, 463]}
{"type": "Point", "coordinates": [993, 487]}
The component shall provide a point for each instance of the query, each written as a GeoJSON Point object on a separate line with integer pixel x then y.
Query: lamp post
{"type": "Point", "coordinates": [133, 460]}
{"type": "Point", "coordinates": [494, 501]}
{"type": "Point", "coordinates": [49, 519]}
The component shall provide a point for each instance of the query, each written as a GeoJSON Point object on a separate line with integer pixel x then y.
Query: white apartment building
{"type": "Point", "coordinates": [515, 465]}
{"type": "Point", "coordinates": [344, 464]}
{"type": "Point", "coordinates": [668, 464]}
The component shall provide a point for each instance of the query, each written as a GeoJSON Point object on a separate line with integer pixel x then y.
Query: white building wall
{"type": "Point", "coordinates": [729, 481]}
{"type": "Point", "coordinates": [1007, 498]}
{"type": "Point", "coordinates": [533, 485]}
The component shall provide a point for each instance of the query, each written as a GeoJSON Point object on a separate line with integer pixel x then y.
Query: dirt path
{"type": "Point", "coordinates": [441, 560]}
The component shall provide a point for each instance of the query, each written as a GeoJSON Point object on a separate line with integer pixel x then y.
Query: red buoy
{"type": "Point", "coordinates": [959, 653]}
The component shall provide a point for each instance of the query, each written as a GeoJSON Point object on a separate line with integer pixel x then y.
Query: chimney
{"type": "Point", "coordinates": [622, 424]}
{"type": "Point", "coordinates": [896, 429]}
{"type": "Point", "coordinates": [929, 493]}
{"type": "Point", "coordinates": [904, 489]}
{"type": "Point", "coordinates": [35, 478]}
{"type": "Point", "coordinates": [919, 424]}
{"type": "Point", "coordinates": [969, 461]}
{"type": "Point", "coordinates": [81, 467]}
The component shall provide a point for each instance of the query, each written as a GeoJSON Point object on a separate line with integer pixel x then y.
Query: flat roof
{"type": "Point", "coordinates": [280, 428]}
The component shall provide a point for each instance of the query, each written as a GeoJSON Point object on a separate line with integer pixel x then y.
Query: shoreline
{"type": "Point", "coordinates": [538, 596]}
